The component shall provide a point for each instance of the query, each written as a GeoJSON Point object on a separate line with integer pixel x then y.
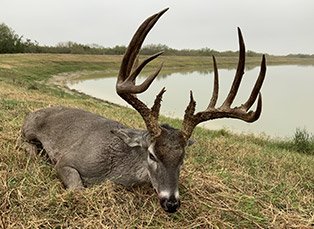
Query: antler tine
{"type": "Point", "coordinates": [136, 43]}
{"type": "Point", "coordinates": [216, 86]}
{"type": "Point", "coordinates": [136, 72]}
{"type": "Point", "coordinates": [191, 120]}
{"type": "Point", "coordinates": [257, 86]}
{"type": "Point", "coordinates": [129, 70]}
{"type": "Point", "coordinates": [156, 107]}
{"type": "Point", "coordinates": [137, 69]}
{"type": "Point", "coordinates": [239, 73]}
{"type": "Point", "coordinates": [254, 115]}
{"type": "Point", "coordinates": [135, 65]}
{"type": "Point", "coordinates": [128, 86]}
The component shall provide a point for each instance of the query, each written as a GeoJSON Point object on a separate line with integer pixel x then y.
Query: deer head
{"type": "Point", "coordinates": [166, 145]}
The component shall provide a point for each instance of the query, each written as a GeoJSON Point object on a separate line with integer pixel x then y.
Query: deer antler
{"type": "Point", "coordinates": [126, 87]}
{"type": "Point", "coordinates": [191, 120]}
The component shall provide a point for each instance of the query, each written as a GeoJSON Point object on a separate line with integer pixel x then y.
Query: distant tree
{"type": "Point", "coordinates": [251, 53]}
{"type": "Point", "coordinates": [31, 46]}
{"type": "Point", "coordinates": [151, 49]}
{"type": "Point", "coordinates": [10, 42]}
{"type": "Point", "coordinates": [117, 50]}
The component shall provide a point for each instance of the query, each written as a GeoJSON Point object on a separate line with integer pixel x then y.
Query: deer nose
{"type": "Point", "coordinates": [170, 205]}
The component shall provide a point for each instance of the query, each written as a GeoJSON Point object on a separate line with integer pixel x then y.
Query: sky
{"type": "Point", "coordinates": [277, 27]}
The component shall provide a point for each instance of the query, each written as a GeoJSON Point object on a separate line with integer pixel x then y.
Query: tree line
{"type": "Point", "coordinates": [11, 42]}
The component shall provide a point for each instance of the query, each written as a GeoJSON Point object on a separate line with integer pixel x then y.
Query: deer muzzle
{"type": "Point", "coordinates": [169, 202]}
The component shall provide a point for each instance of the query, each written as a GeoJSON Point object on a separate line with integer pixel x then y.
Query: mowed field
{"type": "Point", "coordinates": [228, 180]}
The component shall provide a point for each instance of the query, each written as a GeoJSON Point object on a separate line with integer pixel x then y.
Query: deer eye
{"type": "Point", "coordinates": [152, 157]}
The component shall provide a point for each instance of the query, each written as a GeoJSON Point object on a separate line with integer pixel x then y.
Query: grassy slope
{"type": "Point", "coordinates": [227, 181]}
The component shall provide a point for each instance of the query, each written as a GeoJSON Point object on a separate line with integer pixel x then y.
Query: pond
{"type": "Point", "coordinates": [287, 93]}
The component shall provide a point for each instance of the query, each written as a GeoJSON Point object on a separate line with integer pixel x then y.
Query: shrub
{"type": "Point", "coordinates": [303, 141]}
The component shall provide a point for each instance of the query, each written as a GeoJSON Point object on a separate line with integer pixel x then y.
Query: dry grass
{"type": "Point", "coordinates": [228, 181]}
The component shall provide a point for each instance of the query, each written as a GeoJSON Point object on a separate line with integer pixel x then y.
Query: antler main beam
{"type": "Point", "coordinates": [126, 87]}
{"type": "Point", "coordinates": [225, 111]}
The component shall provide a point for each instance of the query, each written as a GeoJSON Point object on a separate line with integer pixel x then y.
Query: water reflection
{"type": "Point", "coordinates": [287, 96]}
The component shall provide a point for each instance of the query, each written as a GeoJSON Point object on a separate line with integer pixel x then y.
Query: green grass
{"type": "Point", "coordinates": [228, 180]}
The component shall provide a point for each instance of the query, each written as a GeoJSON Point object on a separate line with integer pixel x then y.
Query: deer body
{"type": "Point", "coordinates": [90, 146]}
{"type": "Point", "coordinates": [87, 148]}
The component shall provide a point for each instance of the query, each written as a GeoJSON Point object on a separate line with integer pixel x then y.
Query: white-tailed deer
{"type": "Point", "coordinates": [87, 148]}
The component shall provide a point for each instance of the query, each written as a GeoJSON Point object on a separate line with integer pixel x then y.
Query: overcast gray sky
{"type": "Point", "coordinates": [268, 26]}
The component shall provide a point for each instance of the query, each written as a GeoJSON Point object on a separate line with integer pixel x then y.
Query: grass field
{"type": "Point", "coordinates": [228, 181]}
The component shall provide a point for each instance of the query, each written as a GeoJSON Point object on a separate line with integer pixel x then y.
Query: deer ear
{"type": "Point", "coordinates": [131, 137]}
